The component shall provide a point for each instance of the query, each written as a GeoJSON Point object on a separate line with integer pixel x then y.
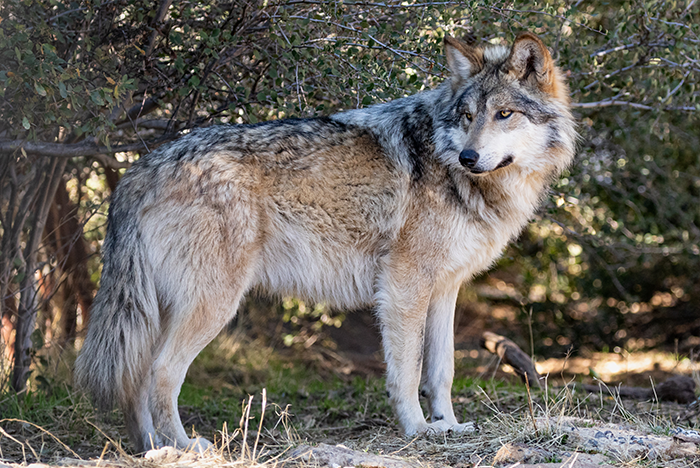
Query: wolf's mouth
{"type": "Point", "coordinates": [507, 161]}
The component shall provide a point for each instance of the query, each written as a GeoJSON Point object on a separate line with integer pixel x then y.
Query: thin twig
{"type": "Point", "coordinates": [529, 404]}
{"type": "Point", "coordinates": [262, 416]}
{"type": "Point", "coordinates": [244, 422]}
{"type": "Point", "coordinates": [616, 102]}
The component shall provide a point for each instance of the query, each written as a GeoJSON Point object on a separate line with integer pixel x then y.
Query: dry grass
{"type": "Point", "coordinates": [307, 403]}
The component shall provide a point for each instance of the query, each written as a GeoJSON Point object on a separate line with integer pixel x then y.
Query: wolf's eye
{"type": "Point", "coordinates": [468, 116]}
{"type": "Point", "coordinates": [504, 114]}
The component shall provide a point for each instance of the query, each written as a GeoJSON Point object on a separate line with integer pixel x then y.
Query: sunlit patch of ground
{"type": "Point", "coordinates": [610, 366]}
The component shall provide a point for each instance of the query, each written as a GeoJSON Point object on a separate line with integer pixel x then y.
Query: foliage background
{"type": "Point", "coordinates": [611, 262]}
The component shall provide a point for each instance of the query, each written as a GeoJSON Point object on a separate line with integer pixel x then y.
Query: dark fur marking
{"type": "Point", "coordinates": [533, 110]}
{"type": "Point", "coordinates": [553, 140]}
{"type": "Point", "coordinates": [481, 103]}
{"type": "Point", "coordinates": [180, 154]}
{"type": "Point", "coordinates": [453, 195]}
{"type": "Point", "coordinates": [492, 204]}
{"type": "Point", "coordinates": [458, 108]}
{"type": "Point", "coordinates": [451, 118]}
{"type": "Point", "coordinates": [417, 131]}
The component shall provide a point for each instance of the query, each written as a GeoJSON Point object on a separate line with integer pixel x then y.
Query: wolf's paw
{"type": "Point", "coordinates": [199, 445]}
{"type": "Point", "coordinates": [441, 427]}
{"type": "Point", "coordinates": [166, 454]}
{"type": "Point", "coordinates": [463, 428]}
{"type": "Point", "coordinates": [170, 454]}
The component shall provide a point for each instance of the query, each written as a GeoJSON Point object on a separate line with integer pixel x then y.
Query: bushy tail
{"type": "Point", "coordinates": [124, 324]}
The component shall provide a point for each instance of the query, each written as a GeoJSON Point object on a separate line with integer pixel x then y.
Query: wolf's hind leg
{"type": "Point", "coordinates": [438, 362]}
{"type": "Point", "coordinates": [139, 422]}
{"type": "Point", "coordinates": [187, 334]}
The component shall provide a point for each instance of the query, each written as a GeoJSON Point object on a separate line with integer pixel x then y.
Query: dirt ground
{"type": "Point", "coordinates": [334, 413]}
{"type": "Point", "coordinates": [326, 406]}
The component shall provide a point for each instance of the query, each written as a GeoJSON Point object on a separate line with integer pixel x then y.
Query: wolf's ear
{"type": "Point", "coordinates": [462, 59]}
{"type": "Point", "coordinates": [530, 62]}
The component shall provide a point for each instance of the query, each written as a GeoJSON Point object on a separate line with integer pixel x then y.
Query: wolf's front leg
{"type": "Point", "coordinates": [438, 363]}
{"type": "Point", "coordinates": [402, 308]}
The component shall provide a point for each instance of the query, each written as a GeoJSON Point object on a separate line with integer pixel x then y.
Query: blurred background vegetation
{"type": "Point", "coordinates": [611, 263]}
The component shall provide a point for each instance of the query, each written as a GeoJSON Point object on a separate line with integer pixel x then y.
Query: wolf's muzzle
{"type": "Point", "coordinates": [468, 158]}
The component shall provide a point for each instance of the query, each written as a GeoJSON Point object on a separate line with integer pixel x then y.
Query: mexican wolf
{"type": "Point", "coordinates": [393, 206]}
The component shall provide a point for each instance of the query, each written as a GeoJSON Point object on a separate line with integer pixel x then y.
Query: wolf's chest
{"type": "Point", "coordinates": [478, 241]}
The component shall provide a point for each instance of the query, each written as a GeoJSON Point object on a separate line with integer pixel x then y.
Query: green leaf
{"type": "Point", "coordinates": [25, 123]}
{"type": "Point", "coordinates": [96, 98]}
{"type": "Point", "coordinates": [41, 91]}
{"type": "Point", "coordinates": [62, 90]}
{"type": "Point", "coordinates": [179, 64]}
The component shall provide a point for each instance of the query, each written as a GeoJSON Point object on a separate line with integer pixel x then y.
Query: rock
{"type": "Point", "coordinates": [521, 453]}
{"type": "Point", "coordinates": [577, 460]}
{"type": "Point", "coordinates": [686, 435]}
{"type": "Point", "coordinates": [618, 441]}
{"type": "Point", "coordinates": [338, 456]}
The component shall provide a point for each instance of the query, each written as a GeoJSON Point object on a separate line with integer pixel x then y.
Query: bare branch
{"type": "Point", "coordinates": [84, 148]}
{"type": "Point", "coordinates": [629, 46]}
{"type": "Point", "coordinates": [152, 124]}
{"type": "Point", "coordinates": [155, 24]}
{"type": "Point", "coordinates": [616, 102]}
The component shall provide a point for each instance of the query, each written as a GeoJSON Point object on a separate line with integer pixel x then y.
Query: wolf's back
{"type": "Point", "coordinates": [124, 320]}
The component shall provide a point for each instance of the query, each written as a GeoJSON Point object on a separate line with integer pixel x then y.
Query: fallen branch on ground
{"type": "Point", "coordinates": [512, 355]}
{"type": "Point", "coordinates": [679, 388]}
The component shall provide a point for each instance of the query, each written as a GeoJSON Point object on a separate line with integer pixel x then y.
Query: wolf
{"type": "Point", "coordinates": [392, 206]}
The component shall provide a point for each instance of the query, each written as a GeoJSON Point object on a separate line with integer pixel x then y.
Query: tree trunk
{"type": "Point", "coordinates": [64, 235]}
{"type": "Point", "coordinates": [7, 326]}
{"type": "Point", "coordinates": [27, 310]}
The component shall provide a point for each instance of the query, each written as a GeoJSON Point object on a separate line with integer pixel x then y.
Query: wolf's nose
{"type": "Point", "coordinates": [468, 158]}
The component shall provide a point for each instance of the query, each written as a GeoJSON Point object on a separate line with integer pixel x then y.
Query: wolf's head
{"type": "Point", "coordinates": [506, 107]}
